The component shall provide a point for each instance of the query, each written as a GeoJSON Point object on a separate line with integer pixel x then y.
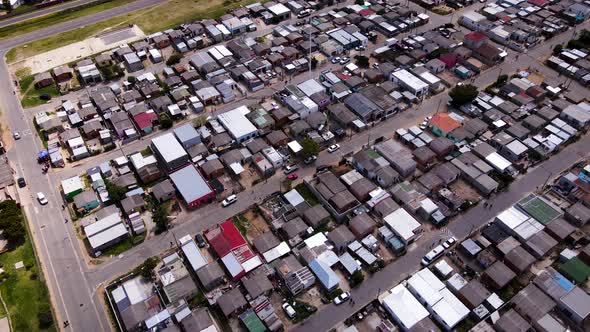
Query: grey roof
{"type": "Point", "coordinates": [231, 301]}
{"type": "Point", "coordinates": [209, 274]}
{"type": "Point", "coordinates": [386, 207]}
{"type": "Point", "coordinates": [553, 283]}
{"type": "Point", "coordinates": [361, 105]}
{"type": "Point", "coordinates": [185, 133]}
{"type": "Point", "coordinates": [341, 236]}
{"type": "Point", "coordinates": [447, 172]}
{"type": "Point", "coordinates": [475, 126]}
{"type": "Point", "coordinates": [198, 320]}
{"type": "Point", "coordinates": [163, 189]}
{"type": "Point", "coordinates": [559, 228]}
{"type": "Point", "coordinates": [211, 166]}
{"type": "Point", "coordinates": [519, 259]}
{"type": "Point", "coordinates": [531, 303]}
{"type": "Point", "coordinates": [132, 202]}
{"type": "Point", "coordinates": [577, 301]}
{"type": "Point", "coordinates": [316, 215]}
{"type": "Point", "coordinates": [190, 183]}
{"type": "Point", "coordinates": [265, 241]}
{"type": "Point", "coordinates": [441, 146]}
{"type": "Point", "coordinates": [361, 188]}
{"type": "Point", "coordinates": [362, 224]}
{"type": "Point", "coordinates": [256, 284]}
{"type": "Point", "coordinates": [540, 244]}
{"type": "Point", "coordinates": [276, 136]}
{"type": "Point", "coordinates": [511, 321]}
{"type": "Point", "coordinates": [294, 227]}
{"type": "Point", "coordinates": [84, 198]}
{"type": "Point", "coordinates": [500, 274]}
{"type": "Point", "coordinates": [474, 293]}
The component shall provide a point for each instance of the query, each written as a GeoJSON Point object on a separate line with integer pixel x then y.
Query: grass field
{"type": "Point", "coordinates": [57, 17]}
{"type": "Point", "coordinates": [30, 94]}
{"type": "Point", "coordinates": [123, 246]}
{"type": "Point", "coordinates": [22, 290]}
{"type": "Point", "coordinates": [160, 17]}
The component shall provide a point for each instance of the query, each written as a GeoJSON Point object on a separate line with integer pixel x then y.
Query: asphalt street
{"type": "Point", "coordinates": [41, 12]}
{"type": "Point", "coordinates": [73, 284]}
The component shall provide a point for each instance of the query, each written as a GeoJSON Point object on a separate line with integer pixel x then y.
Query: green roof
{"type": "Point", "coordinates": [576, 270]}
{"type": "Point", "coordinates": [372, 154]}
{"type": "Point", "coordinates": [538, 209]}
{"type": "Point", "coordinates": [252, 322]}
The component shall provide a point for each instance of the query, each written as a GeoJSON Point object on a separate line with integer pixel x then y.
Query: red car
{"type": "Point", "coordinates": [292, 176]}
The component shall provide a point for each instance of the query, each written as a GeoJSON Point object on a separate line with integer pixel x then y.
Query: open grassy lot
{"type": "Point", "coordinates": [25, 294]}
{"type": "Point", "coordinates": [57, 17]}
{"type": "Point", "coordinates": [31, 95]}
{"type": "Point", "coordinates": [160, 17]}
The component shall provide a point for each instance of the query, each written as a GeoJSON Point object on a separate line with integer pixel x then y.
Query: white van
{"type": "Point", "coordinates": [432, 255]}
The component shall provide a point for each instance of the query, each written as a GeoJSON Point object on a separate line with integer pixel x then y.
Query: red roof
{"type": "Point", "coordinates": [540, 3]}
{"type": "Point", "coordinates": [226, 238]}
{"type": "Point", "coordinates": [366, 12]}
{"type": "Point", "coordinates": [444, 122]}
{"type": "Point", "coordinates": [450, 59]}
{"type": "Point", "coordinates": [145, 119]}
{"type": "Point", "coordinates": [476, 36]}
{"type": "Point", "coordinates": [506, 19]}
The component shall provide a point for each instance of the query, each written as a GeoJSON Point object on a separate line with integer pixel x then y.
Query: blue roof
{"type": "Point", "coordinates": [186, 133]}
{"type": "Point", "coordinates": [190, 184]}
{"type": "Point", "coordinates": [325, 274]}
{"type": "Point", "coordinates": [562, 281]}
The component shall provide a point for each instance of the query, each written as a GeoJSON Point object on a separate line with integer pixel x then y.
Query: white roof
{"type": "Point", "coordinates": [428, 206]}
{"type": "Point", "coordinates": [102, 224]}
{"type": "Point", "coordinates": [310, 87]}
{"type": "Point", "coordinates": [107, 235]}
{"type": "Point", "coordinates": [404, 307]}
{"type": "Point", "coordinates": [276, 252]}
{"type": "Point", "coordinates": [422, 288]}
{"type": "Point", "coordinates": [252, 263]}
{"type": "Point", "coordinates": [449, 309]}
{"type": "Point", "coordinates": [193, 255]}
{"type": "Point", "coordinates": [168, 147]}
{"type": "Point", "coordinates": [407, 78]}
{"type": "Point", "coordinates": [316, 240]}
{"type": "Point", "coordinates": [139, 161]}
{"type": "Point", "coordinates": [443, 268]}
{"type": "Point", "coordinates": [294, 146]}
{"type": "Point", "coordinates": [402, 223]}
{"type": "Point", "coordinates": [236, 123]}
{"type": "Point", "coordinates": [511, 217]}
{"type": "Point", "coordinates": [137, 290]}
{"type": "Point", "coordinates": [232, 264]}
{"type": "Point", "coordinates": [528, 229]}
{"type": "Point", "coordinates": [500, 163]}
{"type": "Point", "coordinates": [72, 184]}
{"type": "Point", "coordinates": [429, 78]}
{"type": "Point", "coordinates": [517, 147]}
{"type": "Point", "coordinates": [456, 282]}
{"type": "Point", "coordinates": [293, 197]}
{"type": "Point", "coordinates": [279, 9]}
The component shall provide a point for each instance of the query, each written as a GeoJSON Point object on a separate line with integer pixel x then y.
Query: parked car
{"type": "Point", "coordinates": [231, 199]}
{"type": "Point", "coordinates": [289, 310]}
{"type": "Point", "coordinates": [290, 169]}
{"type": "Point", "coordinates": [344, 60]}
{"type": "Point", "coordinates": [432, 255]}
{"type": "Point", "coordinates": [449, 242]}
{"type": "Point", "coordinates": [16, 135]}
{"type": "Point", "coordinates": [21, 182]}
{"type": "Point", "coordinates": [200, 240]}
{"type": "Point", "coordinates": [41, 198]}
{"type": "Point", "coordinates": [333, 148]}
{"type": "Point", "coordinates": [310, 160]}
{"type": "Point", "coordinates": [336, 59]}
{"type": "Point", "coordinates": [342, 298]}
{"type": "Point", "coordinates": [321, 169]}
{"type": "Point", "coordinates": [292, 176]}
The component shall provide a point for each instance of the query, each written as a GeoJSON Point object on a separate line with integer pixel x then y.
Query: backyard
{"type": "Point", "coordinates": [32, 96]}
{"type": "Point", "coordinates": [160, 17]}
{"type": "Point", "coordinates": [22, 290]}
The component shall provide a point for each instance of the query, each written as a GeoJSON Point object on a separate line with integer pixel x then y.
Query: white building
{"type": "Point", "coordinates": [475, 21]}
{"type": "Point", "coordinates": [403, 307]}
{"type": "Point", "coordinates": [237, 125]}
{"type": "Point", "coordinates": [403, 225]}
{"type": "Point", "coordinates": [410, 82]}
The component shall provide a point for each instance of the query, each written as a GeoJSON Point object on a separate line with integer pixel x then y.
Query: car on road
{"type": "Point", "coordinates": [200, 240]}
{"type": "Point", "coordinates": [309, 160]}
{"type": "Point", "coordinates": [449, 242]}
{"type": "Point", "coordinates": [41, 198]}
{"type": "Point", "coordinates": [231, 199]}
{"type": "Point", "coordinates": [21, 182]}
{"type": "Point", "coordinates": [321, 169]}
{"type": "Point", "coordinates": [292, 176]}
{"type": "Point", "coordinates": [290, 169]}
{"type": "Point", "coordinates": [16, 135]}
{"type": "Point", "coordinates": [333, 148]}
{"type": "Point", "coordinates": [289, 310]}
{"type": "Point", "coordinates": [376, 65]}
{"type": "Point", "coordinates": [432, 255]}
{"type": "Point", "coordinates": [342, 298]}
{"type": "Point", "coordinates": [344, 60]}
{"type": "Point", "coordinates": [336, 59]}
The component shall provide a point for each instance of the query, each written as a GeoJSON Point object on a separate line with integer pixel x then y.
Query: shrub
{"type": "Point", "coordinates": [173, 59]}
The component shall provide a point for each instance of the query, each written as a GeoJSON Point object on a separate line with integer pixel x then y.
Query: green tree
{"type": "Point", "coordinates": [362, 61]}
{"type": "Point", "coordinates": [502, 79]}
{"type": "Point", "coordinates": [557, 49]}
{"type": "Point", "coordinates": [160, 218]}
{"type": "Point", "coordinates": [166, 122]}
{"type": "Point", "coordinates": [463, 94]}
{"type": "Point", "coordinates": [15, 232]}
{"type": "Point", "coordinates": [360, 2]}
{"type": "Point", "coordinates": [44, 316]}
{"type": "Point", "coordinates": [146, 268]}
{"type": "Point", "coordinates": [173, 59]}
{"type": "Point", "coordinates": [131, 79]}
{"type": "Point", "coordinates": [356, 278]}
{"type": "Point", "coordinates": [314, 63]}
{"type": "Point", "coordinates": [310, 147]}
{"type": "Point", "coordinates": [116, 193]}
{"type": "Point", "coordinates": [200, 121]}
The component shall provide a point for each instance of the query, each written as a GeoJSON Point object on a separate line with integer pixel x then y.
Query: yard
{"type": "Point", "coordinates": [160, 17]}
{"type": "Point", "coordinates": [58, 17]}
{"type": "Point", "coordinates": [31, 96]}
{"type": "Point", "coordinates": [123, 246]}
{"type": "Point", "coordinates": [24, 293]}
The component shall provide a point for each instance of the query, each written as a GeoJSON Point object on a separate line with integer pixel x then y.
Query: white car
{"type": "Point", "coordinates": [449, 242]}
{"type": "Point", "coordinates": [290, 169]}
{"type": "Point", "coordinates": [344, 60]}
{"type": "Point", "coordinates": [342, 298]}
{"type": "Point", "coordinates": [333, 148]}
{"type": "Point", "coordinates": [336, 59]}
{"type": "Point", "coordinates": [432, 255]}
{"type": "Point", "coordinates": [289, 310]}
{"type": "Point", "coordinates": [231, 199]}
{"type": "Point", "coordinates": [16, 135]}
{"type": "Point", "coordinates": [41, 198]}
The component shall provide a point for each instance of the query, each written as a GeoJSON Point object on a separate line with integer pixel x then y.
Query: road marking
{"type": "Point", "coordinates": [36, 209]}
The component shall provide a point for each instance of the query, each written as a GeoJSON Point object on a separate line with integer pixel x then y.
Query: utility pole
{"type": "Point", "coordinates": [309, 30]}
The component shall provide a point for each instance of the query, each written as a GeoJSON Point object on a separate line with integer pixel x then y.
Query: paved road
{"type": "Point", "coordinates": [72, 284]}
{"type": "Point", "coordinates": [404, 266]}
{"type": "Point", "coordinates": [41, 12]}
